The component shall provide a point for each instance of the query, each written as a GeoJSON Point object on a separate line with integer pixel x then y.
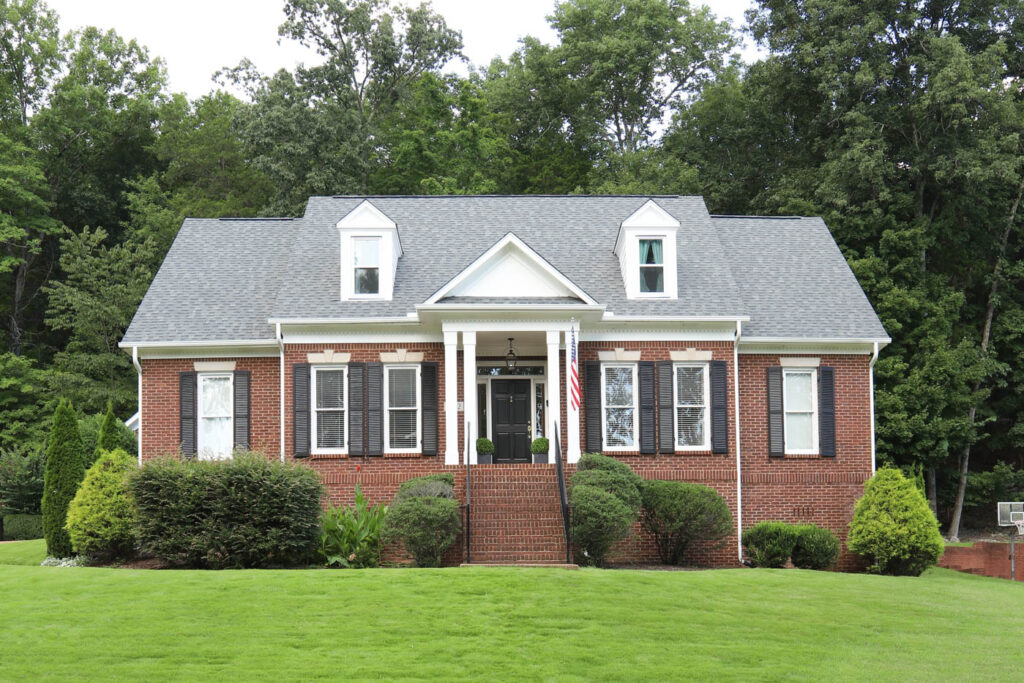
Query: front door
{"type": "Point", "coordinates": [510, 407]}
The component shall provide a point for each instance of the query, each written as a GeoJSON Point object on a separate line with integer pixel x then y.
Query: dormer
{"type": "Point", "coordinates": [646, 247]}
{"type": "Point", "coordinates": [370, 249]}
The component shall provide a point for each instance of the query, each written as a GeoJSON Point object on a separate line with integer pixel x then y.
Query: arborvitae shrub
{"type": "Point", "coordinates": [64, 472]}
{"type": "Point", "coordinates": [893, 527]}
{"type": "Point", "coordinates": [101, 516]}
{"type": "Point", "coordinates": [622, 486]}
{"type": "Point", "coordinates": [89, 428]}
{"type": "Point", "coordinates": [677, 514]}
{"type": "Point", "coordinates": [426, 526]}
{"type": "Point", "coordinates": [769, 544]}
{"type": "Point", "coordinates": [599, 520]}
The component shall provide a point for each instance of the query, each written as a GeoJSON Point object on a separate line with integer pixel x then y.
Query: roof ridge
{"type": "Point", "coordinates": [768, 218]}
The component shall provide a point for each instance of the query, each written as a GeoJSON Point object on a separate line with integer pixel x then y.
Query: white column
{"type": "Point", "coordinates": [572, 431]}
{"type": "Point", "coordinates": [469, 392]}
{"type": "Point", "coordinates": [451, 398]}
{"type": "Point", "coordinates": [554, 409]}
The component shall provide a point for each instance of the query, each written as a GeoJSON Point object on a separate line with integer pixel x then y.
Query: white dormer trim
{"type": "Point", "coordinates": [532, 257]}
{"type": "Point", "coordinates": [367, 221]}
{"type": "Point", "coordinates": [650, 221]}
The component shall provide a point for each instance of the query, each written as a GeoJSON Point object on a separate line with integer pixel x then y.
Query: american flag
{"type": "Point", "coordinates": [574, 373]}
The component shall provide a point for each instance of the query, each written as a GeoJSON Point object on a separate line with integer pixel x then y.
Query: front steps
{"type": "Point", "coordinates": [515, 516]}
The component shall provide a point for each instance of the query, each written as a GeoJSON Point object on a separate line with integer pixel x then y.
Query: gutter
{"type": "Point", "coordinates": [138, 434]}
{"type": "Point", "coordinates": [280, 373]}
{"type": "Point", "coordinates": [871, 389]}
{"type": "Point", "coordinates": [739, 464]}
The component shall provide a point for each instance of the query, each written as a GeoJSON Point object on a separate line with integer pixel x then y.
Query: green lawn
{"type": "Point", "coordinates": [502, 623]}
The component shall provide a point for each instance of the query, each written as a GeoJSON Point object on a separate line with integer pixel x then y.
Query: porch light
{"type": "Point", "coordinates": [510, 357]}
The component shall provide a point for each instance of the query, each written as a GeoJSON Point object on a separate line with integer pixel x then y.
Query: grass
{"type": "Point", "coordinates": [502, 623]}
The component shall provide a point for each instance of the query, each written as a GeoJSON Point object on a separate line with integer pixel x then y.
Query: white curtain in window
{"type": "Point", "coordinates": [799, 411]}
{"type": "Point", "coordinates": [619, 407]}
{"type": "Point", "coordinates": [216, 436]}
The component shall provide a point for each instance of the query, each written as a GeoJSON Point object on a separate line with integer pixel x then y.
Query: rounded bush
{"type": "Point", "coordinates": [446, 478]}
{"type": "Point", "coordinates": [101, 515]}
{"type": "Point", "coordinates": [769, 544]}
{"type": "Point", "coordinates": [893, 527]}
{"type": "Point", "coordinates": [540, 445]}
{"type": "Point", "coordinates": [815, 548]}
{"type": "Point", "coordinates": [426, 489]}
{"type": "Point", "coordinates": [597, 461]}
{"type": "Point", "coordinates": [620, 485]}
{"type": "Point", "coordinates": [484, 446]}
{"type": "Point", "coordinates": [425, 526]}
{"type": "Point", "coordinates": [677, 514]}
{"type": "Point", "coordinates": [599, 521]}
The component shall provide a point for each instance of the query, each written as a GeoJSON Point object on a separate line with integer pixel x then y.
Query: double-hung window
{"type": "Point", "coordinates": [402, 409]}
{"type": "Point", "coordinates": [330, 401]}
{"type": "Point", "coordinates": [800, 408]}
{"type": "Point", "coordinates": [652, 266]}
{"type": "Point", "coordinates": [619, 407]}
{"type": "Point", "coordinates": [692, 397]}
{"type": "Point", "coordinates": [366, 263]}
{"type": "Point", "coordinates": [215, 437]}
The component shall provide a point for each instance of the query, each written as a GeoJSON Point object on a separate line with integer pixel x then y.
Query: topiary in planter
{"type": "Point", "coordinates": [64, 472]}
{"type": "Point", "coordinates": [677, 514]}
{"type": "Point", "coordinates": [622, 486]}
{"type": "Point", "coordinates": [893, 527]}
{"type": "Point", "coordinates": [427, 527]}
{"type": "Point", "coordinates": [815, 548]}
{"type": "Point", "coordinates": [599, 521]}
{"type": "Point", "coordinates": [101, 515]}
{"type": "Point", "coordinates": [769, 544]}
{"type": "Point", "coordinates": [540, 445]}
{"type": "Point", "coordinates": [484, 450]}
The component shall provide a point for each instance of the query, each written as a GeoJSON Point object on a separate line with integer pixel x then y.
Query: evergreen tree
{"type": "Point", "coordinates": [64, 472]}
{"type": "Point", "coordinates": [107, 440]}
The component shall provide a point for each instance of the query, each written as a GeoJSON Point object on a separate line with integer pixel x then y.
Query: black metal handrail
{"type": "Point", "coordinates": [563, 497]}
{"type": "Point", "coordinates": [469, 492]}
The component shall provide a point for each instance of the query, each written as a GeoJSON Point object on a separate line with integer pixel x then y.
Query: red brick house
{"type": "Point", "coordinates": [376, 338]}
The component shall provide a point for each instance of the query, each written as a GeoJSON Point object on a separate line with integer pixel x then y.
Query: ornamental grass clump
{"type": "Point", "coordinates": [101, 517]}
{"type": "Point", "coordinates": [351, 537]}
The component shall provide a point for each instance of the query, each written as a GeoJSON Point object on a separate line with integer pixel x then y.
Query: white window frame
{"type": "Point", "coordinates": [313, 370]}
{"type": "Point", "coordinates": [676, 405]}
{"type": "Point", "coordinates": [604, 410]}
{"type": "Point", "coordinates": [380, 268]}
{"type": "Point", "coordinates": [419, 408]}
{"type": "Point", "coordinates": [199, 413]}
{"type": "Point", "coordinates": [640, 268]}
{"type": "Point", "coordinates": [813, 450]}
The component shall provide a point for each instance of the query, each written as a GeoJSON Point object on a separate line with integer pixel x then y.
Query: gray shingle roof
{"type": "Point", "coordinates": [223, 279]}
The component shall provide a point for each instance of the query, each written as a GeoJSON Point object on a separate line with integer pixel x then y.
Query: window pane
{"type": "Point", "coordinates": [216, 396]}
{"type": "Point", "coordinates": [366, 251]}
{"type": "Point", "coordinates": [618, 387]}
{"type": "Point", "coordinates": [402, 429]}
{"type": "Point", "coordinates": [367, 280]}
{"type": "Point", "coordinates": [330, 388]}
{"type": "Point", "coordinates": [619, 427]}
{"type": "Point", "coordinates": [402, 388]}
{"type": "Point", "coordinates": [650, 252]}
{"type": "Point", "coordinates": [798, 391]}
{"type": "Point", "coordinates": [216, 439]}
{"type": "Point", "coordinates": [690, 426]}
{"type": "Point", "coordinates": [799, 431]}
{"type": "Point", "coordinates": [652, 279]}
{"type": "Point", "coordinates": [690, 386]}
{"type": "Point", "coordinates": [481, 410]}
{"type": "Point", "coordinates": [538, 420]}
{"type": "Point", "coordinates": [330, 429]}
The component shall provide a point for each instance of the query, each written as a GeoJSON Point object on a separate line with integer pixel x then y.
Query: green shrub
{"type": "Point", "coordinates": [622, 486]}
{"type": "Point", "coordinates": [769, 544]}
{"type": "Point", "coordinates": [427, 527]}
{"type": "Point", "coordinates": [426, 489]}
{"type": "Point", "coordinates": [597, 461]}
{"type": "Point", "coordinates": [22, 527]}
{"type": "Point", "coordinates": [540, 445]}
{"type": "Point", "coordinates": [351, 537]}
{"type": "Point", "coordinates": [677, 514]}
{"type": "Point", "coordinates": [245, 512]}
{"type": "Point", "coordinates": [118, 436]}
{"type": "Point", "coordinates": [101, 516]}
{"type": "Point", "coordinates": [64, 472]}
{"type": "Point", "coordinates": [599, 521]}
{"type": "Point", "coordinates": [416, 482]}
{"type": "Point", "coordinates": [21, 482]}
{"type": "Point", "coordinates": [815, 548]}
{"type": "Point", "coordinates": [893, 527]}
{"type": "Point", "coordinates": [484, 446]}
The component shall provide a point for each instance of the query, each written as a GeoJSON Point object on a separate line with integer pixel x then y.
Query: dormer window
{"type": "Point", "coordinates": [366, 262]}
{"type": "Point", "coordinates": [370, 250]}
{"type": "Point", "coordinates": [652, 267]}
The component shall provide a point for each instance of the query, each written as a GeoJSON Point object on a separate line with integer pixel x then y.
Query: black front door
{"type": "Point", "coordinates": [510, 410]}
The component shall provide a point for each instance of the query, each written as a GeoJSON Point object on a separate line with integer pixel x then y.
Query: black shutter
{"type": "Point", "coordinates": [592, 404]}
{"type": "Point", "coordinates": [356, 409]}
{"type": "Point", "coordinates": [648, 407]}
{"type": "Point", "coordinates": [300, 408]}
{"type": "Point", "coordinates": [719, 407]}
{"type": "Point", "coordinates": [242, 426]}
{"type": "Point", "coordinates": [374, 408]}
{"type": "Point", "coordinates": [428, 406]}
{"type": "Point", "coordinates": [827, 411]}
{"type": "Point", "coordinates": [666, 408]}
{"type": "Point", "coordinates": [776, 425]}
{"type": "Point", "coordinates": [187, 410]}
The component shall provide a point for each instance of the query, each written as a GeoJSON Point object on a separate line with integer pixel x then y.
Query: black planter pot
{"type": "Point", "coordinates": [540, 458]}
{"type": "Point", "coordinates": [484, 459]}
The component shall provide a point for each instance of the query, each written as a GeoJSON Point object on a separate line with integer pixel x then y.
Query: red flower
{"type": "Point", "coordinates": [357, 467]}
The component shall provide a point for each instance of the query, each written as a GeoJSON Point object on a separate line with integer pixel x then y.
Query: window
{"type": "Point", "coordinates": [366, 263]}
{"type": "Point", "coordinates": [619, 394]}
{"type": "Point", "coordinates": [402, 426]}
{"type": "Point", "coordinates": [800, 408]}
{"type": "Point", "coordinates": [330, 399]}
{"type": "Point", "coordinates": [692, 398]}
{"type": "Point", "coordinates": [538, 418]}
{"type": "Point", "coordinates": [652, 267]}
{"type": "Point", "coordinates": [216, 437]}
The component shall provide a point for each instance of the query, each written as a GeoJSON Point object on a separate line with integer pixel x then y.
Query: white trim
{"type": "Point", "coordinates": [438, 308]}
{"type": "Point", "coordinates": [313, 447]}
{"type": "Point", "coordinates": [706, 445]}
{"type": "Point", "coordinates": [871, 398]}
{"type": "Point", "coordinates": [736, 421]}
{"type": "Point", "coordinates": [510, 239]}
{"type": "Point", "coordinates": [214, 366]}
{"type": "Point", "coordinates": [138, 370]}
{"type": "Point", "coordinates": [817, 340]}
{"type": "Point", "coordinates": [794, 362]}
{"type": "Point", "coordinates": [469, 412]}
{"type": "Point", "coordinates": [280, 377]}
{"type": "Point", "coordinates": [604, 410]}
{"type": "Point", "coordinates": [618, 355]}
{"type": "Point", "coordinates": [466, 326]}
{"type": "Point", "coordinates": [690, 355]}
{"type": "Point", "coordinates": [366, 216]}
{"type": "Point", "coordinates": [410, 319]}
{"type": "Point", "coordinates": [193, 344]}
{"type": "Point", "coordinates": [329, 357]}
{"type": "Point", "coordinates": [418, 448]}
{"type": "Point", "coordinates": [814, 449]}
{"type": "Point", "coordinates": [401, 356]}
{"type": "Point", "coordinates": [451, 398]}
{"type": "Point", "coordinates": [199, 412]}
{"type": "Point", "coordinates": [611, 317]}
{"type": "Point", "coordinates": [553, 390]}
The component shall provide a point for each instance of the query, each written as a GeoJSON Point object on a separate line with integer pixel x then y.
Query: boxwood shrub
{"type": "Point", "coordinates": [677, 513]}
{"type": "Point", "coordinates": [815, 548]}
{"type": "Point", "coordinates": [597, 461]}
{"type": "Point", "coordinates": [101, 516]}
{"type": "Point", "coordinates": [769, 544]}
{"type": "Point", "coordinates": [622, 486]}
{"type": "Point", "coordinates": [426, 526]}
{"type": "Point", "coordinates": [22, 527]}
{"type": "Point", "coordinates": [245, 512]}
{"type": "Point", "coordinates": [440, 485]}
{"type": "Point", "coordinates": [599, 520]}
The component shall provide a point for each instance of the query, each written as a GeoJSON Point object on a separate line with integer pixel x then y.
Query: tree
{"type": "Point", "coordinates": [29, 57]}
{"type": "Point", "coordinates": [23, 398]}
{"type": "Point", "coordinates": [64, 472]}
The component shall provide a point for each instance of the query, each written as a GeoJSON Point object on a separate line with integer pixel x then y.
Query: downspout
{"type": "Point", "coordinates": [739, 465]}
{"type": "Point", "coordinates": [138, 369]}
{"type": "Point", "coordinates": [280, 373]}
{"type": "Point", "coordinates": [871, 371]}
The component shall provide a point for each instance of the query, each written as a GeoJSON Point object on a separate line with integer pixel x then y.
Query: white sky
{"type": "Point", "coordinates": [197, 37]}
